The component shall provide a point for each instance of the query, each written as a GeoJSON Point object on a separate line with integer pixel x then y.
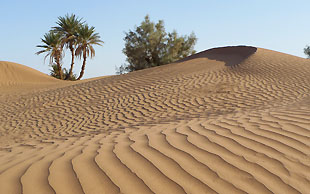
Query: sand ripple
{"type": "Point", "coordinates": [227, 120]}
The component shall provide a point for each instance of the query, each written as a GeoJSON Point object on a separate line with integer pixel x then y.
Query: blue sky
{"type": "Point", "coordinates": [279, 25]}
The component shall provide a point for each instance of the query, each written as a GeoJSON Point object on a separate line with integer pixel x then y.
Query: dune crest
{"type": "Point", "coordinates": [13, 73]}
{"type": "Point", "coordinates": [226, 120]}
{"type": "Point", "coordinates": [20, 79]}
{"type": "Point", "coordinates": [232, 55]}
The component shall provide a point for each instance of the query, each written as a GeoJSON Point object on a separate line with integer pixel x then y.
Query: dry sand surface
{"type": "Point", "coordinates": [226, 120]}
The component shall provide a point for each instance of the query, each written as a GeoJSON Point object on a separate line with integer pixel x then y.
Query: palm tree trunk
{"type": "Point", "coordinates": [72, 62]}
{"type": "Point", "coordinates": [59, 67]}
{"type": "Point", "coordinates": [60, 71]}
{"type": "Point", "coordinates": [83, 66]}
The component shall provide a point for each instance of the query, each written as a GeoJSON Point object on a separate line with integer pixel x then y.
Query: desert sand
{"type": "Point", "coordinates": [226, 120]}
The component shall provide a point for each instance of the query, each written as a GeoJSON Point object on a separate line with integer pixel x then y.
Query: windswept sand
{"type": "Point", "coordinates": [226, 120]}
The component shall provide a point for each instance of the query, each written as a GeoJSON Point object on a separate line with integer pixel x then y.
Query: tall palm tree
{"type": "Point", "coordinates": [68, 26]}
{"type": "Point", "coordinates": [86, 39]}
{"type": "Point", "coordinates": [53, 47]}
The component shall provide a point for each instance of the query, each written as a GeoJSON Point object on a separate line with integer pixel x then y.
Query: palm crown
{"type": "Point", "coordinates": [52, 46]}
{"type": "Point", "coordinates": [85, 41]}
{"type": "Point", "coordinates": [68, 27]}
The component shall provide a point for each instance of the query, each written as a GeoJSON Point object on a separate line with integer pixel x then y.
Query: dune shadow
{"type": "Point", "coordinates": [231, 55]}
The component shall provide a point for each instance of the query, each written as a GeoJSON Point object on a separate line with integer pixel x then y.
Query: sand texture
{"type": "Point", "coordinates": [226, 120]}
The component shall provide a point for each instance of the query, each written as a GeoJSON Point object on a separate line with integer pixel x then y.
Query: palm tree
{"type": "Point", "coordinates": [68, 26]}
{"type": "Point", "coordinates": [86, 39]}
{"type": "Point", "coordinates": [53, 47]}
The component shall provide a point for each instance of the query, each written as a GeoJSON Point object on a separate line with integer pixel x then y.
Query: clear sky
{"type": "Point", "coordinates": [281, 25]}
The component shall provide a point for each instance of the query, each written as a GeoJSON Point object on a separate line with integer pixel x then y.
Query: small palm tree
{"type": "Point", "coordinates": [68, 26]}
{"type": "Point", "coordinates": [53, 47]}
{"type": "Point", "coordinates": [85, 41]}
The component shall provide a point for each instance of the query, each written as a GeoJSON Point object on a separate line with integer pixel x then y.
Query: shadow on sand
{"type": "Point", "coordinates": [231, 56]}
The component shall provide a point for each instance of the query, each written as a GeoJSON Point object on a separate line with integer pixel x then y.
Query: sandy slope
{"type": "Point", "coordinates": [19, 79]}
{"type": "Point", "coordinates": [227, 120]}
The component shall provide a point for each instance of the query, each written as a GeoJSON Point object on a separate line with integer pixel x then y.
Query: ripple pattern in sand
{"type": "Point", "coordinates": [190, 127]}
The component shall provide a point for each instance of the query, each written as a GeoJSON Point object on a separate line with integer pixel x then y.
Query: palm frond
{"type": "Point", "coordinates": [68, 26]}
{"type": "Point", "coordinates": [51, 46]}
{"type": "Point", "coordinates": [87, 37]}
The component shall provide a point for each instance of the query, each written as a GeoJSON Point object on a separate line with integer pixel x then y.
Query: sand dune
{"type": "Point", "coordinates": [13, 73]}
{"type": "Point", "coordinates": [20, 79]}
{"type": "Point", "coordinates": [226, 120]}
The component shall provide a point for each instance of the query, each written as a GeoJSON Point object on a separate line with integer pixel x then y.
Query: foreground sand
{"type": "Point", "coordinates": [227, 120]}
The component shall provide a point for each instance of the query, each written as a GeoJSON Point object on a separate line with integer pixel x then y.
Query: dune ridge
{"type": "Point", "coordinates": [226, 120]}
{"type": "Point", "coordinates": [19, 79]}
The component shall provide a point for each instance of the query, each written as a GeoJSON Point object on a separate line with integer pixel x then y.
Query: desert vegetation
{"type": "Point", "coordinates": [70, 33]}
{"type": "Point", "coordinates": [149, 45]}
